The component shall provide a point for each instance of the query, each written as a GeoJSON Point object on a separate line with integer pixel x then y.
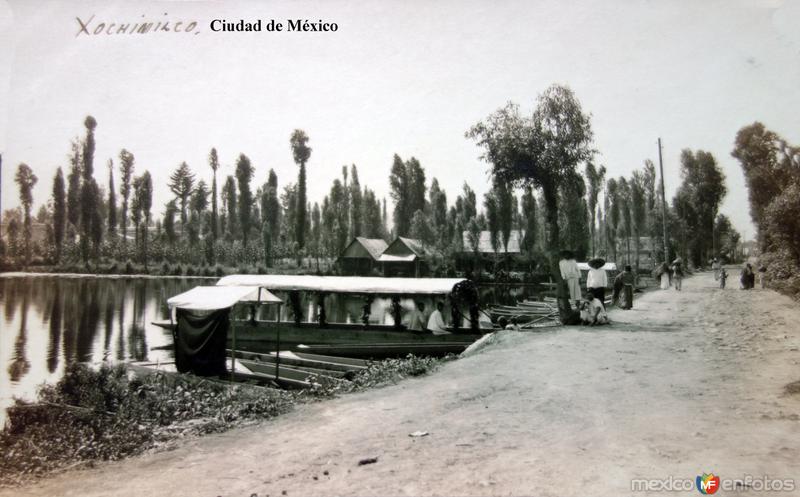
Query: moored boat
{"type": "Point", "coordinates": [366, 317]}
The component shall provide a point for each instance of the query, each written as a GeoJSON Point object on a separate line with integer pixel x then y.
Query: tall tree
{"type": "Point", "coordinates": [612, 215]}
{"type": "Point", "coordinates": [213, 161]}
{"type": "Point", "coordinates": [126, 172]}
{"type": "Point", "coordinates": [26, 180]}
{"type": "Point", "coordinates": [638, 207]}
{"type": "Point", "coordinates": [356, 204]}
{"type": "Point", "coordinates": [181, 184]}
{"type": "Point", "coordinates": [59, 212]}
{"type": "Point", "coordinates": [373, 222]}
{"type": "Point", "coordinates": [594, 177]}
{"type": "Point", "coordinates": [229, 203]}
{"type": "Point", "coordinates": [270, 205]}
{"type": "Point", "coordinates": [143, 194]}
{"type": "Point", "coordinates": [529, 213]}
{"type": "Point", "coordinates": [169, 221]}
{"type": "Point", "coordinates": [766, 161]}
{"type": "Point", "coordinates": [438, 204]}
{"type": "Point", "coordinates": [112, 200]}
{"type": "Point", "coordinates": [624, 199]}
{"type": "Point", "coordinates": [700, 192]}
{"type": "Point", "coordinates": [89, 190]}
{"type": "Point", "coordinates": [198, 204]}
{"type": "Point", "coordinates": [542, 151]}
{"type": "Point", "coordinates": [301, 153]}
{"type": "Point", "coordinates": [398, 185]}
{"type": "Point", "coordinates": [244, 174]}
{"type": "Point", "coordinates": [74, 186]}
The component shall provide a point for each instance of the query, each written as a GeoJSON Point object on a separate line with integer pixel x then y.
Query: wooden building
{"type": "Point", "coordinates": [361, 256]}
{"type": "Point", "coordinates": [405, 257]}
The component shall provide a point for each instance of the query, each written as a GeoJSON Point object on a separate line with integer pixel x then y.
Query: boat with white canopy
{"type": "Point", "coordinates": [343, 315]}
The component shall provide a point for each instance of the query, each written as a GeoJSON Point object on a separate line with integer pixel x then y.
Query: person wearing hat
{"type": "Point", "coordinates": [597, 279]}
{"type": "Point", "coordinates": [571, 275]}
{"type": "Point", "coordinates": [677, 273]}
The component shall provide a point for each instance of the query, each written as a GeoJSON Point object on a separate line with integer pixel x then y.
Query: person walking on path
{"type": "Point", "coordinates": [762, 276]}
{"type": "Point", "coordinates": [663, 274]}
{"type": "Point", "coordinates": [597, 279]}
{"type": "Point", "coordinates": [747, 278]}
{"type": "Point", "coordinates": [571, 275]}
{"type": "Point", "coordinates": [624, 281]}
{"type": "Point", "coordinates": [677, 273]}
{"type": "Point", "coordinates": [723, 275]}
{"type": "Point", "coordinates": [715, 266]}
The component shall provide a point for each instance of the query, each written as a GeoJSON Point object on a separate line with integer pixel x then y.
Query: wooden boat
{"type": "Point", "coordinates": [304, 327]}
{"type": "Point", "coordinates": [285, 370]}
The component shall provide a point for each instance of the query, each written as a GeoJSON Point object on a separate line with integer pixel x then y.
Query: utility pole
{"type": "Point", "coordinates": [663, 203]}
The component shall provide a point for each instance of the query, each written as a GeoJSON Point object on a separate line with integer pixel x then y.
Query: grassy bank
{"type": "Point", "coordinates": [105, 415]}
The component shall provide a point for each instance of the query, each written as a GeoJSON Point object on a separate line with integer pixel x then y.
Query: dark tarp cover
{"type": "Point", "coordinates": [200, 341]}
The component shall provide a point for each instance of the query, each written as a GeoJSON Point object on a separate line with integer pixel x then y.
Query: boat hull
{"type": "Point", "coordinates": [374, 342]}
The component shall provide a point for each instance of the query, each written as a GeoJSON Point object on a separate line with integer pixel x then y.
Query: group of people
{"type": "Point", "coordinates": [591, 308]}
{"type": "Point", "coordinates": [671, 274]}
{"type": "Point", "coordinates": [747, 278]}
{"type": "Point", "coordinates": [435, 323]}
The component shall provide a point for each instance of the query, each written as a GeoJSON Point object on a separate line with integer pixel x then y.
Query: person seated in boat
{"type": "Point", "coordinates": [436, 324]}
{"type": "Point", "coordinates": [416, 320]}
{"type": "Point", "coordinates": [593, 312]}
{"type": "Point", "coordinates": [513, 325]}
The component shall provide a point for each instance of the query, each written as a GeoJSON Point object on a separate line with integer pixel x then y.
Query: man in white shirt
{"type": "Point", "coordinates": [596, 282]}
{"type": "Point", "coordinates": [436, 322]}
{"type": "Point", "coordinates": [571, 274]}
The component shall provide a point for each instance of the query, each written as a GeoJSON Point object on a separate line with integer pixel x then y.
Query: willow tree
{"type": "Point", "coordinates": [542, 151]}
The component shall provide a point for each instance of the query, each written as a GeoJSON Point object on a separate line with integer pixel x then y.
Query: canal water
{"type": "Point", "coordinates": [49, 322]}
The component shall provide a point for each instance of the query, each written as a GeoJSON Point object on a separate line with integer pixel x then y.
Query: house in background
{"type": "Point", "coordinates": [486, 253]}
{"type": "Point", "coordinates": [406, 257]}
{"type": "Point", "coordinates": [362, 256]}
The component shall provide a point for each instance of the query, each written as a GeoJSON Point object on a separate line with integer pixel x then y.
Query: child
{"type": "Point", "coordinates": [723, 275]}
{"type": "Point", "coordinates": [593, 312]}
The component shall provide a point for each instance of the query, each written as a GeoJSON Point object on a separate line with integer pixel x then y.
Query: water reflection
{"type": "Point", "coordinates": [49, 322]}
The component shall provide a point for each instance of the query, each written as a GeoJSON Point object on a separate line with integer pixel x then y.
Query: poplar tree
{"type": "Point", "coordinates": [26, 180]}
{"type": "Point", "coordinates": [244, 173]}
{"type": "Point", "coordinates": [301, 153]}
{"type": "Point", "coordinates": [59, 213]}
{"type": "Point", "coordinates": [126, 172]}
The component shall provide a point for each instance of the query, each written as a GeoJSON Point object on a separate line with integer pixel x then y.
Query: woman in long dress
{"type": "Point", "coordinates": [664, 270]}
{"type": "Point", "coordinates": [624, 281]}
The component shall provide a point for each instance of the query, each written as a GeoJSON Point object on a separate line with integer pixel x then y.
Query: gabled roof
{"type": "Point", "coordinates": [404, 249]}
{"type": "Point", "coordinates": [485, 243]}
{"type": "Point", "coordinates": [373, 246]}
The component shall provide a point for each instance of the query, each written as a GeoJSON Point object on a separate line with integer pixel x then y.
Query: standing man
{"type": "Point", "coordinates": [436, 323]}
{"type": "Point", "coordinates": [571, 275]}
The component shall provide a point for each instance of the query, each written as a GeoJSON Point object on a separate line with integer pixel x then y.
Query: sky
{"type": "Point", "coordinates": [406, 78]}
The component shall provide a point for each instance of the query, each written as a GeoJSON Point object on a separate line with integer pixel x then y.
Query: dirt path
{"type": "Point", "coordinates": [685, 383]}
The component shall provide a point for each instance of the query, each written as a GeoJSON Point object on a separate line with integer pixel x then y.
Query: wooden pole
{"type": "Point", "coordinates": [663, 204]}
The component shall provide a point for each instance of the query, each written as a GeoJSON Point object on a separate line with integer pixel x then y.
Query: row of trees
{"type": "Point", "coordinates": [771, 169]}
{"type": "Point", "coordinates": [544, 184]}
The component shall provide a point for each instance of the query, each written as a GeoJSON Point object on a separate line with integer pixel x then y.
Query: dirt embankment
{"type": "Point", "coordinates": [685, 383]}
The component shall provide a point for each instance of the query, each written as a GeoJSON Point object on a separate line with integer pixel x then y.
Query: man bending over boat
{"type": "Point", "coordinates": [436, 322]}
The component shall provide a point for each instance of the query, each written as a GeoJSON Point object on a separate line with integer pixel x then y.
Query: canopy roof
{"type": "Point", "coordinates": [344, 284]}
{"type": "Point", "coordinates": [212, 298]}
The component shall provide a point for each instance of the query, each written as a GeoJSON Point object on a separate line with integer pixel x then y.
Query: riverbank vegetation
{"type": "Point", "coordinates": [546, 185]}
{"type": "Point", "coordinates": [106, 414]}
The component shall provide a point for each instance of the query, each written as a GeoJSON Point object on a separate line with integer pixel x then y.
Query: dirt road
{"type": "Point", "coordinates": [685, 383]}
